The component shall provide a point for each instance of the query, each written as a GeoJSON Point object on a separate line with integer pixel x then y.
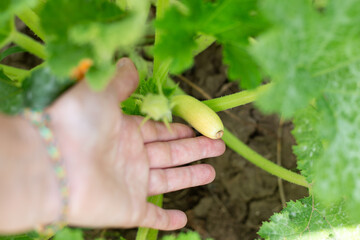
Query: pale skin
{"type": "Point", "coordinates": [113, 163]}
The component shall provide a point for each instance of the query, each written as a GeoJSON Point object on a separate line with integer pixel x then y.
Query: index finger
{"type": "Point", "coordinates": [183, 151]}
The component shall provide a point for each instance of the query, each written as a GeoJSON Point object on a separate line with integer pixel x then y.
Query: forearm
{"type": "Point", "coordinates": [28, 187]}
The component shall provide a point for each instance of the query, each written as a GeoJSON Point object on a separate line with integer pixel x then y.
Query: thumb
{"type": "Point", "coordinates": [125, 80]}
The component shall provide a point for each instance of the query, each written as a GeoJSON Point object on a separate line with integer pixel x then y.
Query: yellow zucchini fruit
{"type": "Point", "coordinates": [198, 115]}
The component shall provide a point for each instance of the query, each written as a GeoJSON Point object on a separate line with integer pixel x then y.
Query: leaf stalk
{"type": "Point", "coordinates": [29, 44]}
{"type": "Point", "coordinates": [243, 150]}
{"type": "Point", "coordinates": [236, 99]}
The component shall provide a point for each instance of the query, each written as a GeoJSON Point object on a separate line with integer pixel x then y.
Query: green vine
{"type": "Point", "coordinates": [236, 99]}
{"type": "Point", "coordinates": [242, 149]}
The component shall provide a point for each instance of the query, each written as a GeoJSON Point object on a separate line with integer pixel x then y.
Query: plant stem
{"type": "Point", "coordinates": [29, 44]}
{"type": "Point", "coordinates": [161, 66]}
{"type": "Point", "coordinates": [148, 233]}
{"type": "Point", "coordinates": [32, 20]}
{"type": "Point", "coordinates": [161, 71]}
{"type": "Point", "coordinates": [236, 99]}
{"type": "Point", "coordinates": [242, 149]}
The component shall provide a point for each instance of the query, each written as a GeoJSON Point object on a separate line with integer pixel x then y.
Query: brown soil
{"type": "Point", "coordinates": [242, 195]}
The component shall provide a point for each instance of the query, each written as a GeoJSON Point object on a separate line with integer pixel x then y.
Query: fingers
{"type": "Point", "coordinates": [125, 81]}
{"type": "Point", "coordinates": [158, 218]}
{"type": "Point", "coordinates": [182, 151]}
{"type": "Point", "coordinates": [173, 179]}
{"type": "Point", "coordinates": [157, 131]}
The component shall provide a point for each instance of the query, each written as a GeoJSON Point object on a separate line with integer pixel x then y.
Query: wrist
{"type": "Point", "coordinates": [31, 193]}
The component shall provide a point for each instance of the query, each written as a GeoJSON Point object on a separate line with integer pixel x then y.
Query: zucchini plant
{"type": "Point", "coordinates": [299, 59]}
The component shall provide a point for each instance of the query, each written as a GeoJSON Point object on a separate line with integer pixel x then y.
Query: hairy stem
{"type": "Point", "coordinates": [161, 66]}
{"type": "Point", "coordinates": [29, 44]}
{"type": "Point", "coordinates": [242, 149]}
{"type": "Point", "coordinates": [32, 20]}
{"type": "Point", "coordinates": [236, 99]}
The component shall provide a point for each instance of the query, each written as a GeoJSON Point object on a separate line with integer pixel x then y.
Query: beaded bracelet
{"type": "Point", "coordinates": [41, 121]}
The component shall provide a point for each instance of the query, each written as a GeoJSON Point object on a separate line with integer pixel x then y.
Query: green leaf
{"type": "Point", "coordinates": [231, 22]}
{"type": "Point", "coordinates": [11, 101]}
{"type": "Point", "coordinates": [64, 57]}
{"type": "Point", "coordinates": [96, 31]}
{"type": "Point", "coordinates": [308, 61]}
{"type": "Point", "coordinates": [69, 233]}
{"type": "Point", "coordinates": [176, 43]}
{"type": "Point", "coordinates": [338, 170]}
{"type": "Point", "coordinates": [42, 87]}
{"type": "Point", "coordinates": [308, 219]}
{"type": "Point", "coordinates": [131, 106]}
{"type": "Point", "coordinates": [301, 48]}
{"type": "Point", "coordinates": [242, 66]}
{"type": "Point", "coordinates": [309, 143]}
{"type": "Point", "coordinates": [8, 8]}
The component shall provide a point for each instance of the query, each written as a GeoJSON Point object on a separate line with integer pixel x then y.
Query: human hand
{"type": "Point", "coordinates": [113, 164]}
